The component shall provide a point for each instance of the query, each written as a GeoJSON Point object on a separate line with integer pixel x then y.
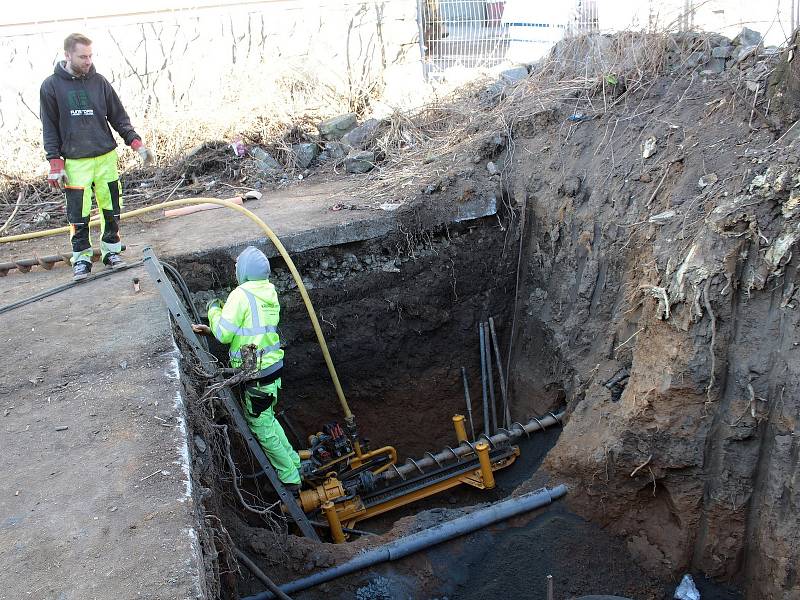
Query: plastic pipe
{"type": "Point", "coordinates": [422, 540]}
{"type": "Point", "coordinates": [272, 237]}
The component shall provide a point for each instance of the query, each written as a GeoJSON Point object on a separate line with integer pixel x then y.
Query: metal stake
{"type": "Point", "coordinates": [482, 336]}
{"type": "Point", "coordinates": [549, 587]}
{"type": "Point", "coordinates": [468, 401]}
{"type": "Point", "coordinates": [503, 387]}
{"type": "Point", "coordinates": [490, 377]}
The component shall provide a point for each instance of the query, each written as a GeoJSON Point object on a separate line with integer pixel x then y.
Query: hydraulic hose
{"type": "Point", "coordinates": [272, 237]}
{"type": "Point", "coordinates": [426, 538]}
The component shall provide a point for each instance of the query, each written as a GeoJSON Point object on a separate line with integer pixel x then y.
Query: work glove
{"type": "Point", "coordinates": [216, 302]}
{"type": "Point", "coordinates": [57, 177]}
{"type": "Point", "coordinates": [145, 153]}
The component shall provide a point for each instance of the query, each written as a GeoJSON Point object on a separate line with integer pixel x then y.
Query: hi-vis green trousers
{"type": "Point", "coordinates": [96, 175]}
{"type": "Point", "coordinates": [260, 416]}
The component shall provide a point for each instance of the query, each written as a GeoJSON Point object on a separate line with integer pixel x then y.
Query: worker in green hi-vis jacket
{"type": "Point", "coordinates": [250, 317]}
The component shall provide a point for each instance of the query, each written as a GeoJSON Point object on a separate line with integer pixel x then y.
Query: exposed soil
{"type": "Point", "coordinates": [658, 235]}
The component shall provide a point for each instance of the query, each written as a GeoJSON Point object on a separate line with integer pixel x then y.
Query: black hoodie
{"type": "Point", "coordinates": [76, 111]}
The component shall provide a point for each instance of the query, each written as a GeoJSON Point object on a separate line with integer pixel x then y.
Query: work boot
{"type": "Point", "coordinates": [81, 270]}
{"type": "Point", "coordinates": [113, 260]}
{"type": "Point", "coordinates": [293, 489]}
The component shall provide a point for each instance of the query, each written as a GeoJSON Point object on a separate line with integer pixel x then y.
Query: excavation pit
{"type": "Point", "coordinates": [400, 313]}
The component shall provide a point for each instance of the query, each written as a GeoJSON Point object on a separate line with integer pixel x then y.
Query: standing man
{"type": "Point", "coordinates": [250, 318]}
{"type": "Point", "coordinates": [77, 105]}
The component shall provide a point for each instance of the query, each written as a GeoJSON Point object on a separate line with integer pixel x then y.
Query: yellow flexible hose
{"type": "Point", "coordinates": [270, 234]}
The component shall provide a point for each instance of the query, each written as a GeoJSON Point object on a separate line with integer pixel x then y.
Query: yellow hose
{"type": "Point", "coordinates": [270, 234]}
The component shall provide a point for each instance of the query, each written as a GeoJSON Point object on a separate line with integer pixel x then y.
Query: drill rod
{"type": "Point", "coordinates": [503, 437]}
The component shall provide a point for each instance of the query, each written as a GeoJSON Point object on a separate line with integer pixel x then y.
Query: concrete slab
{"type": "Point", "coordinates": [303, 217]}
{"type": "Point", "coordinates": [95, 499]}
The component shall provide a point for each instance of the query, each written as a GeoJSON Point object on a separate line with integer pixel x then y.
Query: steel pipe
{"type": "Point", "coordinates": [427, 538]}
{"type": "Point", "coordinates": [486, 426]}
{"type": "Point", "coordinates": [447, 455]}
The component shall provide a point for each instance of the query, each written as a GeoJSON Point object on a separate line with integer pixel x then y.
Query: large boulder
{"type": "Point", "coordinates": [304, 154]}
{"type": "Point", "coordinates": [360, 162]}
{"type": "Point", "coordinates": [361, 137]}
{"type": "Point", "coordinates": [335, 128]}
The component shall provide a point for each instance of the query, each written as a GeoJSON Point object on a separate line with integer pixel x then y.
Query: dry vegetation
{"type": "Point", "coordinates": [588, 74]}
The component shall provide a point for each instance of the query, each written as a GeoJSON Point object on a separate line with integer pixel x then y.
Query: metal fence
{"type": "Point", "coordinates": [486, 33]}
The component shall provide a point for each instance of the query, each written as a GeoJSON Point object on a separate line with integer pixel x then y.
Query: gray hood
{"type": "Point", "coordinates": [252, 265]}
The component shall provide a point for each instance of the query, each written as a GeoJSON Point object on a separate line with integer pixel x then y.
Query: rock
{"type": "Point", "coordinates": [492, 168]}
{"type": "Point", "coordinates": [335, 151]}
{"type": "Point", "coordinates": [200, 444]}
{"type": "Point", "coordinates": [649, 147]}
{"type": "Point", "coordinates": [662, 217]}
{"type": "Point", "coordinates": [696, 59]}
{"type": "Point", "coordinates": [265, 162]}
{"type": "Point", "coordinates": [707, 180]}
{"type": "Point", "coordinates": [513, 75]}
{"type": "Point", "coordinates": [687, 590]}
{"type": "Point", "coordinates": [747, 37]}
{"type": "Point", "coordinates": [335, 128]}
{"type": "Point", "coordinates": [361, 137]}
{"type": "Point", "coordinates": [752, 86]}
{"type": "Point", "coordinates": [743, 52]}
{"type": "Point", "coordinates": [714, 66]}
{"type": "Point", "coordinates": [359, 162]}
{"type": "Point", "coordinates": [304, 154]}
{"type": "Point", "coordinates": [722, 52]}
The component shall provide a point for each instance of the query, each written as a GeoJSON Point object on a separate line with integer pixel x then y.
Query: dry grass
{"type": "Point", "coordinates": [588, 74]}
{"type": "Point", "coordinates": [421, 146]}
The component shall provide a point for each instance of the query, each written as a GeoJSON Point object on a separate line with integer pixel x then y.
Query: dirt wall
{"type": "Point", "coordinates": [633, 259]}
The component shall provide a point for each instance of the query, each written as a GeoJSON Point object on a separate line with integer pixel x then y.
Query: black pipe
{"type": "Point", "coordinates": [426, 538]}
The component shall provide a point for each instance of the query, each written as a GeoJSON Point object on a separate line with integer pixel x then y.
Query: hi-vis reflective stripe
{"type": "Point", "coordinates": [253, 308]}
{"type": "Point", "coordinates": [269, 370]}
{"type": "Point", "coordinates": [257, 329]}
{"type": "Point", "coordinates": [259, 353]}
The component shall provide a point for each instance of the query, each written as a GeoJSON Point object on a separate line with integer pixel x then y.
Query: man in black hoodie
{"type": "Point", "coordinates": [77, 105]}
